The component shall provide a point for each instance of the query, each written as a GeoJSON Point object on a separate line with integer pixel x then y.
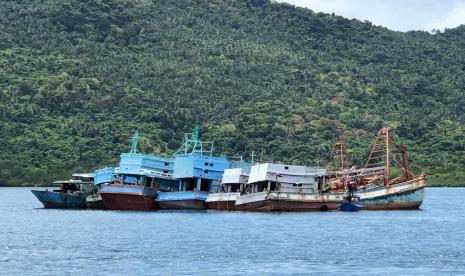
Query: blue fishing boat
{"type": "Point", "coordinates": [137, 180]}
{"type": "Point", "coordinates": [197, 172]}
{"type": "Point", "coordinates": [71, 194]}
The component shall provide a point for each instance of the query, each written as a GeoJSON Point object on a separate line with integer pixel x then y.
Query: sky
{"type": "Point", "coordinates": [399, 15]}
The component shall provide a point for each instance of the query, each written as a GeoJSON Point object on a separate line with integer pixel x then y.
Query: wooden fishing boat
{"type": "Point", "coordinates": [375, 184]}
{"type": "Point", "coordinates": [278, 187]}
{"type": "Point", "coordinates": [232, 185]}
{"type": "Point", "coordinates": [197, 171]}
{"type": "Point", "coordinates": [71, 194]}
{"type": "Point", "coordinates": [137, 179]}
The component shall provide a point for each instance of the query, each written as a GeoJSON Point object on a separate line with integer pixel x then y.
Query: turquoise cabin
{"type": "Point", "coordinates": [104, 176]}
{"type": "Point", "coordinates": [146, 170]}
{"type": "Point", "coordinates": [199, 172]}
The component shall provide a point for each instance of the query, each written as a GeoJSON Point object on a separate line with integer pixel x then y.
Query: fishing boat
{"type": "Point", "coordinates": [378, 186]}
{"type": "Point", "coordinates": [102, 177]}
{"type": "Point", "coordinates": [71, 193]}
{"type": "Point", "coordinates": [232, 185]}
{"type": "Point", "coordinates": [279, 187]}
{"type": "Point", "coordinates": [197, 172]}
{"type": "Point", "coordinates": [138, 178]}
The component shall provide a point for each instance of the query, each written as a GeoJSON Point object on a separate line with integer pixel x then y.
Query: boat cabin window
{"type": "Point", "coordinates": [129, 179]}
{"type": "Point", "coordinates": [189, 184]}
{"type": "Point", "coordinates": [211, 164]}
{"type": "Point", "coordinates": [206, 163]}
{"type": "Point", "coordinates": [167, 164]}
{"type": "Point", "coordinates": [205, 171]}
{"type": "Point", "coordinates": [147, 182]}
{"type": "Point", "coordinates": [263, 186]}
{"type": "Point", "coordinates": [165, 171]}
{"type": "Point", "coordinates": [286, 167]}
{"type": "Point", "coordinates": [235, 188]}
{"type": "Point", "coordinates": [205, 185]}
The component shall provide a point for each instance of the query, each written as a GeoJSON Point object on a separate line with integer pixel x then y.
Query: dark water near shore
{"type": "Point", "coordinates": [40, 241]}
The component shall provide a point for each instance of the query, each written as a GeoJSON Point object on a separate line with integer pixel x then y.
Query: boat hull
{"type": "Point", "coordinates": [58, 200]}
{"type": "Point", "coordinates": [288, 202]}
{"type": "Point", "coordinates": [403, 196]}
{"type": "Point", "coordinates": [182, 200]}
{"type": "Point", "coordinates": [128, 197]}
{"type": "Point", "coordinates": [222, 201]}
{"type": "Point", "coordinates": [95, 202]}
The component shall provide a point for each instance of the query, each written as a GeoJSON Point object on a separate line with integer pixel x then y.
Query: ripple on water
{"type": "Point", "coordinates": [40, 241]}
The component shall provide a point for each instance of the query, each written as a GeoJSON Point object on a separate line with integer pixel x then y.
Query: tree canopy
{"type": "Point", "coordinates": [76, 77]}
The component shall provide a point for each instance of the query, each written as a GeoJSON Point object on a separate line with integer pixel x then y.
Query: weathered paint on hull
{"type": "Point", "coordinates": [59, 200]}
{"type": "Point", "coordinates": [270, 205]}
{"type": "Point", "coordinates": [182, 200]}
{"type": "Point", "coordinates": [97, 204]}
{"type": "Point", "coordinates": [184, 204]}
{"type": "Point", "coordinates": [222, 201]}
{"type": "Point", "coordinates": [229, 205]}
{"type": "Point", "coordinates": [399, 201]}
{"type": "Point", "coordinates": [288, 202]}
{"type": "Point", "coordinates": [129, 202]}
{"type": "Point", "coordinates": [128, 197]}
{"type": "Point", "coordinates": [402, 196]}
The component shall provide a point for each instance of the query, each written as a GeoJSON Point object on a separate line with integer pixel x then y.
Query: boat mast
{"type": "Point", "coordinates": [193, 144]}
{"type": "Point", "coordinates": [135, 141]}
{"type": "Point", "coordinates": [380, 153]}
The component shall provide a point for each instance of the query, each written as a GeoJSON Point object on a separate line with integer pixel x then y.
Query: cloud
{"type": "Point", "coordinates": [455, 18]}
{"type": "Point", "coordinates": [398, 15]}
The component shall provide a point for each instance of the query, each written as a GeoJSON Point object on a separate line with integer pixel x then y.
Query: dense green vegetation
{"type": "Point", "coordinates": [76, 77]}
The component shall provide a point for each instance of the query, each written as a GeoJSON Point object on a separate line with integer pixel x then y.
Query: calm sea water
{"type": "Point", "coordinates": [35, 241]}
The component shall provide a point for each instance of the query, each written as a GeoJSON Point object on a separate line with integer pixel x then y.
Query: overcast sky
{"type": "Point", "coordinates": [400, 15]}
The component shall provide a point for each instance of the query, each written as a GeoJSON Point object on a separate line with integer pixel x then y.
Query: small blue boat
{"type": "Point", "coordinates": [349, 207]}
{"type": "Point", "coordinates": [71, 194]}
{"type": "Point", "coordinates": [350, 203]}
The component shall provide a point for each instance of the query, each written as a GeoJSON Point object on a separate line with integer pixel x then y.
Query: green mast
{"type": "Point", "coordinates": [193, 144]}
{"type": "Point", "coordinates": [135, 141]}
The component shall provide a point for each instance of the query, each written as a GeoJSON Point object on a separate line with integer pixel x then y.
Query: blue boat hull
{"type": "Point", "coordinates": [349, 207]}
{"type": "Point", "coordinates": [60, 200]}
{"type": "Point", "coordinates": [182, 200]}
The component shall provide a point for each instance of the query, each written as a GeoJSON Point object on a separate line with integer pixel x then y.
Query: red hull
{"type": "Point", "coordinates": [115, 201]}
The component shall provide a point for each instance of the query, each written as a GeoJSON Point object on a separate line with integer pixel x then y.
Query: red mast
{"type": "Point", "coordinates": [380, 153]}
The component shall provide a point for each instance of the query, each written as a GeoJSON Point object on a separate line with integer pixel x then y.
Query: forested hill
{"type": "Point", "coordinates": [76, 77]}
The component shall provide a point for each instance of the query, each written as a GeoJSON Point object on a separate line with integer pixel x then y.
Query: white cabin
{"type": "Point", "coordinates": [284, 178]}
{"type": "Point", "coordinates": [236, 175]}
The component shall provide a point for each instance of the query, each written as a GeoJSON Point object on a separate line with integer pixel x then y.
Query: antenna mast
{"type": "Point", "coordinates": [135, 141]}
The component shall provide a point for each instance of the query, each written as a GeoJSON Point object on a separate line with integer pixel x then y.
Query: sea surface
{"type": "Point", "coordinates": [37, 241]}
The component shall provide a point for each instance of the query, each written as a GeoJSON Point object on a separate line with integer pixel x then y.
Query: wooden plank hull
{"type": "Point", "coordinates": [222, 201]}
{"type": "Point", "coordinates": [288, 202]}
{"type": "Point", "coordinates": [58, 200]}
{"type": "Point", "coordinates": [403, 196]}
{"type": "Point", "coordinates": [184, 204]}
{"type": "Point", "coordinates": [288, 206]}
{"type": "Point", "coordinates": [182, 200]}
{"type": "Point", "coordinates": [128, 197]}
{"type": "Point", "coordinates": [229, 205]}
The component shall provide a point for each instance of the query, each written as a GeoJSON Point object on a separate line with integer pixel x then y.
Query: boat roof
{"type": "Point", "coordinates": [73, 181]}
{"type": "Point", "coordinates": [86, 175]}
